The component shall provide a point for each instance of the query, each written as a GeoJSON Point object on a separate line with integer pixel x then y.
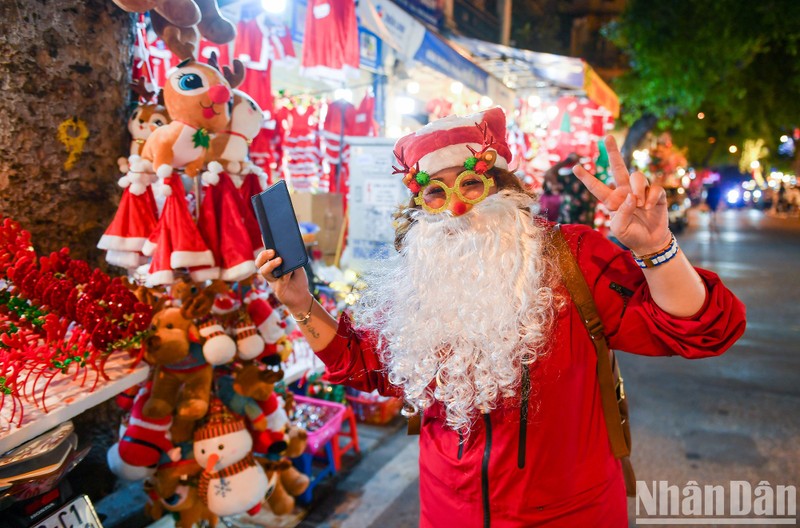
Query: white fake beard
{"type": "Point", "coordinates": [467, 297]}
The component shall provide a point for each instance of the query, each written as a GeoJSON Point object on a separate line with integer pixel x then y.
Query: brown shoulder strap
{"type": "Point", "coordinates": [582, 297]}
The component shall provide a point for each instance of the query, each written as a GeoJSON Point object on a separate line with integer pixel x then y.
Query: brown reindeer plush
{"type": "Point", "coordinates": [173, 488]}
{"type": "Point", "coordinates": [179, 23]}
{"type": "Point", "coordinates": [148, 115]}
{"type": "Point", "coordinates": [182, 377]}
{"type": "Point", "coordinates": [197, 98]}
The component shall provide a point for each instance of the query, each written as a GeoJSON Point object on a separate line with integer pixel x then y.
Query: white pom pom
{"type": "Point", "coordinates": [215, 167]}
{"type": "Point", "coordinates": [210, 178]}
{"type": "Point", "coordinates": [219, 350]}
{"type": "Point", "coordinates": [138, 188]}
{"type": "Point", "coordinates": [235, 167]}
{"type": "Point", "coordinates": [164, 171]}
{"type": "Point", "coordinates": [166, 190]}
{"type": "Point", "coordinates": [125, 181]}
{"type": "Point", "coordinates": [139, 164]}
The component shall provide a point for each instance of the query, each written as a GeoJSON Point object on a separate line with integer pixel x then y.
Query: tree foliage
{"type": "Point", "coordinates": [736, 62]}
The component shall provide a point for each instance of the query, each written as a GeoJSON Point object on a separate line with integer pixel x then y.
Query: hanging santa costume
{"type": "Point", "coordinates": [223, 226]}
{"type": "Point", "coordinates": [133, 223]}
{"type": "Point", "coordinates": [331, 48]}
{"type": "Point", "coordinates": [175, 242]}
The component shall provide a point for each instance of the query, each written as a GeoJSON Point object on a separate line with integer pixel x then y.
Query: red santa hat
{"type": "Point", "coordinates": [176, 242]}
{"type": "Point", "coordinates": [454, 141]}
{"type": "Point", "coordinates": [133, 222]}
{"type": "Point", "coordinates": [226, 302]}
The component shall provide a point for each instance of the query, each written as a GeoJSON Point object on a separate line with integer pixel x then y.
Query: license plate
{"type": "Point", "coordinates": [79, 513]}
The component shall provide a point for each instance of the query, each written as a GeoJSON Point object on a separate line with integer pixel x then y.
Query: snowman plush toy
{"type": "Point", "coordinates": [232, 481]}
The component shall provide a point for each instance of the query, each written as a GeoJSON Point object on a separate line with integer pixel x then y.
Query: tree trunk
{"type": "Point", "coordinates": [64, 71]}
{"type": "Point", "coordinates": [636, 133]}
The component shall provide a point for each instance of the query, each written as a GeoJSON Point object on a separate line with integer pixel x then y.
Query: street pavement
{"type": "Point", "coordinates": [711, 421]}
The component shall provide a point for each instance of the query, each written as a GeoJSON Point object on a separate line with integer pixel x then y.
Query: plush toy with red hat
{"type": "Point", "coordinates": [144, 441]}
{"type": "Point", "coordinates": [271, 327]}
{"type": "Point", "coordinates": [232, 481]}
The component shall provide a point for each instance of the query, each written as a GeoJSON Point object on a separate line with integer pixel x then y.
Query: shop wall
{"type": "Point", "coordinates": [64, 74]}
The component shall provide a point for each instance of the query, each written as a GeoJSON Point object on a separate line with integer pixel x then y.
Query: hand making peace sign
{"type": "Point", "coordinates": [640, 220]}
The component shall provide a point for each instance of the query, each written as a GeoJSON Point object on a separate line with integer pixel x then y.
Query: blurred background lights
{"type": "Point", "coordinates": [275, 7]}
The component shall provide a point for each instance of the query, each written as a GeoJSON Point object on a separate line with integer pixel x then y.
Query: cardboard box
{"type": "Point", "coordinates": [327, 211]}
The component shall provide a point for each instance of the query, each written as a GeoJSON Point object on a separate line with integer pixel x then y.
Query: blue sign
{"type": "Point", "coordinates": [298, 20]}
{"type": "Point", "coordinates": [369, 49]}
{"type": "Point", "coordinates": [429, 11]}
{"type": "Point", "coordinates": [437, 54]}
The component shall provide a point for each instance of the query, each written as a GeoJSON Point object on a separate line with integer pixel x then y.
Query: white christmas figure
{"type": "Point", "coordinates": [232, 481]}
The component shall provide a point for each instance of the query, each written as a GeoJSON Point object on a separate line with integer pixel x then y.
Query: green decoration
{"type": "Point", "coordinates": [201, 138]}
{"type": "Point", "coordinates": [423, 178]}
{"type": "Point", "coordinates": [469, 164]}
{"type": "Point", "coordinates": [602, 163]}
{"type": "Point", "coordinates": [566, 126]}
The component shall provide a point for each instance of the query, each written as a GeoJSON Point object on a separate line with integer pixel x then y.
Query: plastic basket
{"type": "Point", "coordinates": [375, 412]}
{"type": "Point", "coordinates": [318, 438]}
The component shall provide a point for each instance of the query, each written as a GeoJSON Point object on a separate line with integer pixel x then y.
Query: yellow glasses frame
{"type": "Point", "coordinates": [456, 189]}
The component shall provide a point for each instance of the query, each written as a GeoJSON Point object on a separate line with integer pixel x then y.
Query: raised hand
{"type": "Point", "coordinates": [291, 289]}
{"type": "Point", "coordinates": [640, 220]}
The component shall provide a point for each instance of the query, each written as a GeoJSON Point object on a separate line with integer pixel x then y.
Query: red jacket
{"type": "Point", "coordinates": [553, 465]}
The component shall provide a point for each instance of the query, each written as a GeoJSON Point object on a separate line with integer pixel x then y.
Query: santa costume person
{"type": "Point", "coordinates": [472, 325]}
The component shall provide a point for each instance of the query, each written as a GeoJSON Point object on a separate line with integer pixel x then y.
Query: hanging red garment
{"type": "Point", "coordinates": [222, 224]}
{"type": "Point", "coordinates": [331, 47]}
{"type": "Point", "coordinates": [206, 48]}
{"type": "Point", "coordinates": [302, 150]}
{"type": "Point", "coordinates": [175, 242]}
{"type": "Point", "coordinates": [133, 223]}
{"type": "Point", "coordinates": [251, 186]}
{"type": "Point", "coordinates": [364, 123]}
{"type": "Point", "coordinates": [339, 121]}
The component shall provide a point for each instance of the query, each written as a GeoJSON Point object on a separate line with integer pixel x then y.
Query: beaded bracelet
{"type": "Point", "coordinates": [660, 257]}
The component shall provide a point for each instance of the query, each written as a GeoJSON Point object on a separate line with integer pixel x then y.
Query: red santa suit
{"type": "Point", "coordinates": [331, 47]}
{"type": "Point", "coordinates": [552, 466]}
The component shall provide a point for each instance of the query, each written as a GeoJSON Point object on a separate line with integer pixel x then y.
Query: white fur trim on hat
{"type": "Point", "coordinates": [450, 122]}
{"type": "Point", "coordinates": [453, 156]}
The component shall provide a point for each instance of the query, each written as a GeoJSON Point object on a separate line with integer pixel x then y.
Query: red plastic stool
{"type": "Point", "coordinates": [351, 433]}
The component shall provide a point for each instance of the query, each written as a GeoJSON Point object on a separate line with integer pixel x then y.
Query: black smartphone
{"type": "Point", "coordinates": [279, 228]}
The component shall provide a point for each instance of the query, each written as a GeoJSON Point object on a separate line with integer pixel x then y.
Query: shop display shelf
{"type": "Point", "coordinates": [66, 398]}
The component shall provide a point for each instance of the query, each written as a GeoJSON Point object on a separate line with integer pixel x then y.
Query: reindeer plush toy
{"type": "Point", "coordinates": [229, 149]}
{"type": "Point", "coordinates": [197, 97]}
{"type": "Point", "coordinates": [146, 117]}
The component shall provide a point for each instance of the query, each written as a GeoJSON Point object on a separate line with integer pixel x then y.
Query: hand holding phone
{"type": "Point", "coordinates": [279, 228]}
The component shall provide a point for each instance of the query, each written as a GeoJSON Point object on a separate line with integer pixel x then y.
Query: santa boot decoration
{"type": "Point", "coordinates": [145, 440]}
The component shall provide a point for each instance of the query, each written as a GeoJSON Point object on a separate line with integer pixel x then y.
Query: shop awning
{"type": "Point", "coordinates": [530, 70]}
{"type": "Point", "coordinates": [414, 42]}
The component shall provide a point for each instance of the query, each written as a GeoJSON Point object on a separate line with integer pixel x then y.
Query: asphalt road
{"type": "Point", "coordinates": [736, 417]}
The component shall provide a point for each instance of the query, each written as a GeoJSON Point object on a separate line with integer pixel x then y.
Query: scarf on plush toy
{"type": "Point", "coordinates": [229, 471]}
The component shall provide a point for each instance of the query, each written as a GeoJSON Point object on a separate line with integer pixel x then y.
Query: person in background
{"type": "Point", "coordinates": [471, 325]}
{"type": "Point", "coordinates": [713, 197]}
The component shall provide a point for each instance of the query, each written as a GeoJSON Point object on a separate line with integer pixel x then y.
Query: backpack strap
{"type": "Point", "coordinates": [606, 362]}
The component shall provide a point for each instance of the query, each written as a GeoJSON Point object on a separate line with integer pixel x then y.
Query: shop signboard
{"type": "Point", "coordinates": [437, 54]}
{"type": "Point", "coordinates": [374, 196]}
{"type": "Point", "coordinates": [370, 49]}
{"type": "Point", "coordinates": [429, 11]}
